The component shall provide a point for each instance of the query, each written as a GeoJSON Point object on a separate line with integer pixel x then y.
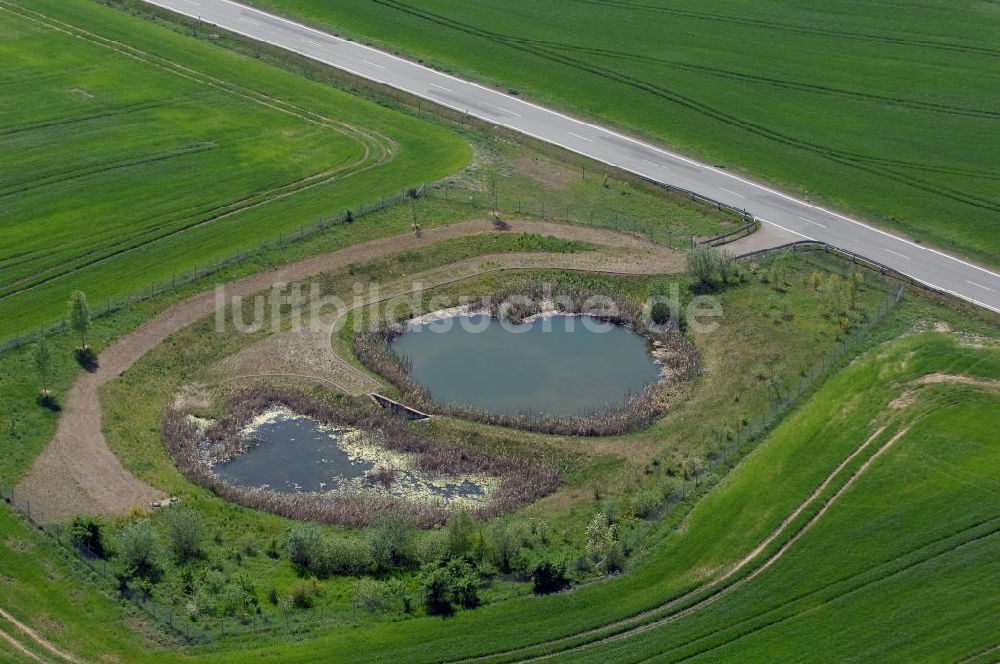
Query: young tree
{"type": "Point", "coordinates": [139, 550]}
{"type": "Point", "coordinates": [186, 531]}
{"type": "Point", "coordinates": [79, 316]}
{"type": "Point", "coordinates": [43, 363]}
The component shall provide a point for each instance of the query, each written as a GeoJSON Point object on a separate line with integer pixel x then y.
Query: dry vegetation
{"type": "Point", "coordinates": [521, 482]}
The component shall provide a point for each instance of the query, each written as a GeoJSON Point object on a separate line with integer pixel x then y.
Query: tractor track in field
{"type": "Point", "coordinates": [37, 638]}
{"type": "Point", "coordinates": [799, 605]}
{"type": "Point", "coordinates": [862, 162]}
{"type": "Point", "coordinates": [801, 29]}
{"type": "Point", "coordinates": [377, 149]}
{"type": "Point", "coordinates": [707, 592]}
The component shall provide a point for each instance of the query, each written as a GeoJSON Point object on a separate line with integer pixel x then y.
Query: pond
{"type": "Point", "coordinates": [293, 453]}
{"type": "Point", "coordinates": [556, 365]}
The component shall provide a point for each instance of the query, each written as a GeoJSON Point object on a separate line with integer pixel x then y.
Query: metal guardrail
{"type": "Point", "coordinates": [854, 257]}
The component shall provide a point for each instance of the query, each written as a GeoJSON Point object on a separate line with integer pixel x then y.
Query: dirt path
{"type": "Point", "coordinates": [78, 473]}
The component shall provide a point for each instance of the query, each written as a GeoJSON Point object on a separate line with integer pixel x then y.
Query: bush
{"type": "Point", "coordinates": [303, 594]}
{"type": "Point", "coordinates": [85, 533]}
{"type": "Point", "coordinates": [506, 542]}
{"type": "Point", "coordinates": [186, 531]}
{"type": "Point", "coordinates": [345, 557]}
{"type": "Point", "coordinates": [712, 268]}
{"type": "Point", "coordinates": [644, 503]}
{"type": "Point", "coordinates": [139, 550]}
{"type": "Point", "coordinates": [436, 591]}
{"type": "Point", "coordinates": [391, 540]}
{"type": "Point", "coordinates": [305, 546]}
{"type": "Point", "coordinates": [549, 577]}
{"type": "Point", "coordinates": [462, 530]}
{"type": "Point", "coordinates": [455, 582]}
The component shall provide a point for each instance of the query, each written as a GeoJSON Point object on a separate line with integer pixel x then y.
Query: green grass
{"type": "Point", "coordinates": [134, 404]}
{"type": "Point", "coordinates": [925, 488]}
{"type": "Point", "coordinates": [130, 153]}
{"type": "Point", "coordinates": [894, 571]}
{"type": "Point", "coordinates": [890, 114]}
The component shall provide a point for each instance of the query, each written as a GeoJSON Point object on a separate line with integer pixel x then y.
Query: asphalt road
{"type": "Point", "coordinates": [798, 218]}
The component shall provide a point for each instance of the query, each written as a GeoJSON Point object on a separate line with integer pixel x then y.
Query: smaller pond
{"type": "Point", "coordinates": [297, 454]}
{"type": "Point", "coordinates": [557, 365]}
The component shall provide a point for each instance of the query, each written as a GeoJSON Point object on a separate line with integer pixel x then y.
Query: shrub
{"type": "Point", "coordinates": [614, 561]}
{"type": "Point", "coordinates": [303, 594]}
{"type": "Point", "coordinates": [85, 533]}
{"type": "Point", "coordinates": [644, 503]}
{"type": "Point", "coordinates": [186, 531]}
{"type": "Point", "coordinates": [549, 577]}
{"type": "Point", "coordinates": [461, 533]}
{"type": "Point", "coordinates": [391, 540]}
{"type": "Point", "coordinates": [436, 592]}
{"type": "Point", "coordinates": [601, 536]}
{"type": "Point", "coordinates": [455, 582]}
{"type": "Point", "coordinates": [139, 550]}
{"type": "Point", "coordinates": [305, 546]}
{"type": "Point", "coordinates": [660, 313]}
{"type": "Point", "coordinates": [506, 542]}
{"type": "Point", "coordinates": [345, 557]}
{"type": "Point", "coordinates": [712, 268]}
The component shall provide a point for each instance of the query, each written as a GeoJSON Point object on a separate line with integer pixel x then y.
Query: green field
{"type": "Point", "coordinates": [859, 522]}
{"type": "Point", "coordinates": [886, 111]}
{"type": "Point", "coordinates": [130, 154]}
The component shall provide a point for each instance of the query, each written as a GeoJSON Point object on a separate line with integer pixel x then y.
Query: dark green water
{"type": "Point", "coordinates": [538, 367]}
{"type": "Point", "coordinates": [296, 454]}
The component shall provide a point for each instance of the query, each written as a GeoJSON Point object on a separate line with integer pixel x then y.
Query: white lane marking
{"type": "Point", "coordinates": [789, 230]}
{"type": "Point", "coordinates": [730, 191]}
{"type": "Point", "coordinates": [897, 253]}
{"type": "Point", "coordinates": [251, 21]}
{"type": "Point", "coordinates": [373, 64]}
{"type": "Point", "coordinates": [193, 2]}
{"type": "Point", "coordinates": [810, 221]}
{"type": "Point", "coordinates": [587, 124]}
{"type": "Point", "coordinates": [980, 286]}
{"type": "Point", "coordinates": [310, 41]}
{"type": "Point", "coordinates": [653, 163]}
{"type": "Point", "coordinates": [505, 111]}
{"type": "Point", "coordinates": [440, 87]}
{"type": "Point", "coordinates": [589, 140]}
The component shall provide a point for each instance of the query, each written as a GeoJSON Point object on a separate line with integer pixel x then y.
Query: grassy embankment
{"type": "Point", "coordinates": [890, 115]}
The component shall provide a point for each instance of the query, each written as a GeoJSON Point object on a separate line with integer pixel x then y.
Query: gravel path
{"type": "Point", "coordinates": [78, 473]}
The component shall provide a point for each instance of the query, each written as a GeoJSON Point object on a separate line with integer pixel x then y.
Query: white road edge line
{"type": "Point", "coordinates": [604, 130]}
